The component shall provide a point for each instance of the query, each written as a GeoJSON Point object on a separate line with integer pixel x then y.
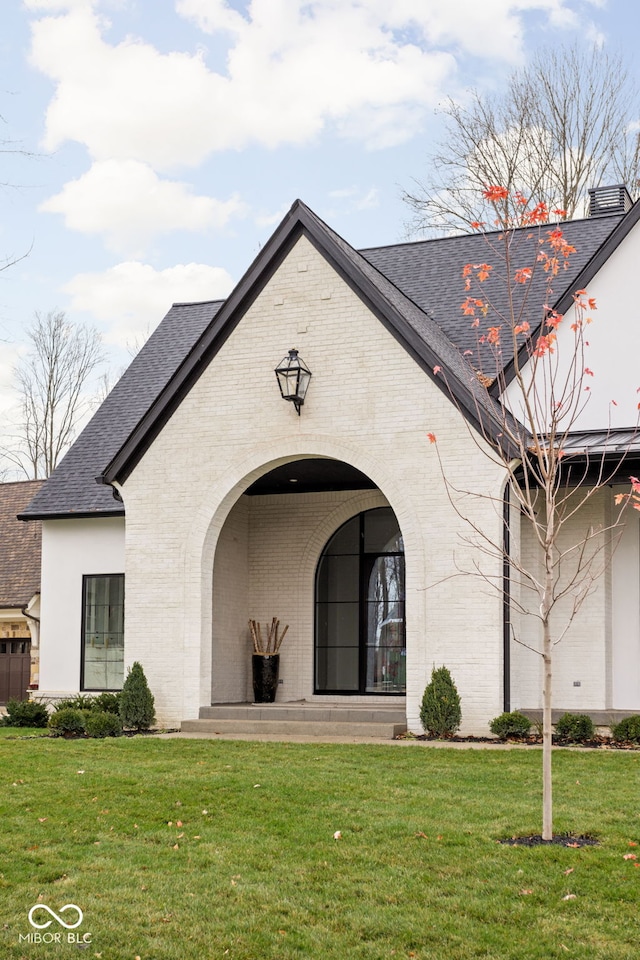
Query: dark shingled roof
{"type": "Point", "coordinates": [415, 289]}
{"type": "Point", "coordinates": [430, 272]}
{"type": "Point", "coordinates": [20, 545]}
{"type": "Point", "coordinates": [72, 487]}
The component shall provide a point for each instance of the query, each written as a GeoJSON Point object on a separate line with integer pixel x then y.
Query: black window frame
{"type": "Point", "coordinates": [86, 577]}
{"type": "Point", "coordinates": [364, 556]}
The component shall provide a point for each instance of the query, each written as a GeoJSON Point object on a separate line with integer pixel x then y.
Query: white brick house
{"type": "Point", "coordinates": [218, 503]}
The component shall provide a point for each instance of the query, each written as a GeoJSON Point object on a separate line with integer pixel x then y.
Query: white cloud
{"type": "Point", "coordinates": [291, 71]}
{"type": "Point", "coordinates": [59, 6]}
{"type": "Point", "coordinates": [130, 299]}
{"type": "Point", "coordinates": [352, 198]}
{"type": "Point", "coordinates": [271, 219]}
{"type": "Point", "coordinates": [370, 70]}
{"type": "Point", "coordinates": [212, 16]}
{"type": "Point", "coordinates": [128, 203]}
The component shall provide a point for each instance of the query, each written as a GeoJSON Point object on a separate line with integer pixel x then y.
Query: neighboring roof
{"type": "Point", "coordinates": [20, 545]}
{"type": "Point", "coordinates": [415, 289]}
{"type": "Point", "coordinates": [72, 487]}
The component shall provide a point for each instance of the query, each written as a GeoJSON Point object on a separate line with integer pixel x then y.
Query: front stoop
{"type": "Point", "coordinates": [301, 719]}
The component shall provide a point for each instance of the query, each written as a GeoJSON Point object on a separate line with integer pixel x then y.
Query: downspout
{"type": "Point", "coordinates": [30, 616]}
{"type": "Point", "coordinates": [506, 601]}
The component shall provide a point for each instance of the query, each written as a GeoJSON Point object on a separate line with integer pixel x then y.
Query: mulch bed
{"type": "Point", "coordinates": [559, 840]}
{"type": "Point", "coordinates": [598, 743]}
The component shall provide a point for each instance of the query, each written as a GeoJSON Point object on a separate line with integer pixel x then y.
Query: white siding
{"type": "Point", "coordinates": [70, 549]}
{"type": "Point", "coordinates": [613, 343]}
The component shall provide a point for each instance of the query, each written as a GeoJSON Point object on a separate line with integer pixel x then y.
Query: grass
{"type": "Point", "coordinates": [13, 732]}
{"type": "Point", "coordinates": [199, 849]}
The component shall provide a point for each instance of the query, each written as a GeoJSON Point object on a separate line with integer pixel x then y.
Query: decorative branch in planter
{"type": "Point", "coordinates": [266, 659]}
{"type": "Point", "coordinates": [274, 637]}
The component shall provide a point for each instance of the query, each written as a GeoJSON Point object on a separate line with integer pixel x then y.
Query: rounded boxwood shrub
{"type": "Point", "coordinates": [26, 713]}
{"type": "Point", "coordinates": [100, 723]}
{"type": "Point", "coordinates": [628, 730]}
{"type": "Point", "coordinates": [68, 721]}
{"type": "Point", "coordinates": [577, 727]}
{"type": "Point", "coordinates": [440, 712]}
{"type": "Point", "coordinates": [513, 724]}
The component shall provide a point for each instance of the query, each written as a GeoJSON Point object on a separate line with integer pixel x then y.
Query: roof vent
{"type": "Point", "coordinates": [604, 201]}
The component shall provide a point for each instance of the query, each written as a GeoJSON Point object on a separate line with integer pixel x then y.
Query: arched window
{"type": "Point", "coordinates": [360, 635]}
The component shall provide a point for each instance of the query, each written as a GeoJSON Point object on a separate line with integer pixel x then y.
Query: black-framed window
{"type": "Point", "coordinates": [102, 632]}
{"type": "Point", "coordinates": [360, 608]}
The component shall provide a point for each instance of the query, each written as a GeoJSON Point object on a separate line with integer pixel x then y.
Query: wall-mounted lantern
{"type": "Point", "coordinates": [293, 377]}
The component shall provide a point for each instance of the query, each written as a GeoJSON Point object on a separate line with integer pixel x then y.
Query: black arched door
{"type": "Point", "coordinates": [360, 597]}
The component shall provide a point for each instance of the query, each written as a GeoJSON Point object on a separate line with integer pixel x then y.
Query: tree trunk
{"type": "Point", "coordinates": [547, 743]}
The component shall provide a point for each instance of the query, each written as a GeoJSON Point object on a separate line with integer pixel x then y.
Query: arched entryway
{"type": "Point", "coordinates": [359, 642]}
{"type": "Point", "coordinates": [276, 545]}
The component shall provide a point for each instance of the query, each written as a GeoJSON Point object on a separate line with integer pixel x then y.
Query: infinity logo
{"type": "Point", "coordinates": [43, 906]}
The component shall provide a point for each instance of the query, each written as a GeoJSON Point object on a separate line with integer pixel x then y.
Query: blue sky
{"type": "Point", "coordinates": [171, 136]}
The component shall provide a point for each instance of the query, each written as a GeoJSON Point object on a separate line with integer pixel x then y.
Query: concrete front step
{"type": "Point", "coordinates": [301, 719]}
{"type": "Point", "coordinates": [304, 728]}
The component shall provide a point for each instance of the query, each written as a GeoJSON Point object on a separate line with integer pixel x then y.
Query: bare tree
{"type": "Point", "coordinates": [50, 381]}
{"type": "Point", "coordinates": [565, 123]}
{"type": "Point", "coordinates": [527, 432]}
{"type": "Point", "coordinates": [13, 148]}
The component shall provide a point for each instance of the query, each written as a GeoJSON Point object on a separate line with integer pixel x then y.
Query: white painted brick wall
{"type": "Point", "coordinates": [370, 405]}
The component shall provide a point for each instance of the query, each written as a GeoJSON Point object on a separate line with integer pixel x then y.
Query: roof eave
{"type": "Point", "coordinates": [72, 515]}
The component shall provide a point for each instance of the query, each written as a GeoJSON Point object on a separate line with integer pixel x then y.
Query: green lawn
{"type": "Point", "coordinates": [196, 849]}
{"type": "Point", "coordinates": [13, 732]}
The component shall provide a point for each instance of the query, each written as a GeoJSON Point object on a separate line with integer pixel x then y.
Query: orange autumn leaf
{"type": "Point", "coordinates": [545, 345]}
{"type": "Point", "coordinates": [495, 193]}
{"type": "Point", "coordinates": [484, 269]}
{"type": "Point", "coordinates": [523, 275]}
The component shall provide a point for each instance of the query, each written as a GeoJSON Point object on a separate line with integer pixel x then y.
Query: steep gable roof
{"type": "Point", "coordinates": [412, 327]}
{"type": "Point", "coordinates": [20, 545]}
{"type": "Point", "coordinates": [415, 290]}
{"type": "Point", "coordinates": [72, 487]}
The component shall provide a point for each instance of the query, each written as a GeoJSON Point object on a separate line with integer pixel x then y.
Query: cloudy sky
{"type": "Point", "coordinates": [169, 137]}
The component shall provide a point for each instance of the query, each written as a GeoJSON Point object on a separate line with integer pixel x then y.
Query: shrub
{"type": "Point", "coordinates": [575, 726]}
{"type": "Point", "coordinates": [100, 723]}
{"type": "Point", "coordinates": [107, 703]}
{"type": "Point", "coordinates": [627, 730]}
{"type": "Point", "coordinates": [440, 712]}
{"type": "Point", "coordinates": [79, 702]}
{"type": "Point", "coordinates": [26, 713]}
{"type": "Point", "coordinates": [68, 721]}
{"type": "Point", "coordinates": [510, 725]}
{"type": "Point", "coordinates": [136, 700]}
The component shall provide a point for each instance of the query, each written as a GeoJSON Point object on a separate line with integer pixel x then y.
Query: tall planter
{"type": "Point", "coordinates": [265, 677]}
